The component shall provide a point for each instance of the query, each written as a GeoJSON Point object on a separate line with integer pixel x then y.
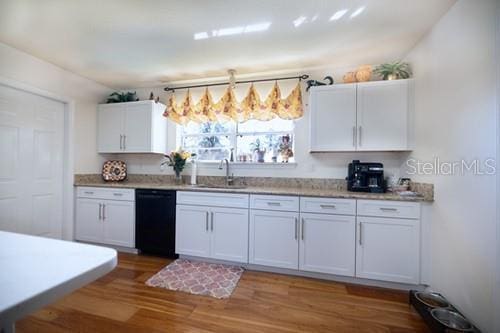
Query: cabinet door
{"type": "Point", "coordinates": [119, 223]}
{"type": "Point", "coordinates": [137, 128]}
{"type": "Point", "coordinates": [388, 249]}
{"type": "Point", "coordinates": [274, 239]}
{"type": "Point", "coordinates": [88, 224]}
{"type": "Point", "coordinates": [229, 227]}
{"type": "Point", "coordinates": [192, 231]}
{"type": "Point", "coordinates": [110, 128]}
{"type": "Point", "coordinates": [383, 115]}
{"type": "Point", "coordinates": [327, 244]}
{"type": "Point", "coordinates": [333, 118]}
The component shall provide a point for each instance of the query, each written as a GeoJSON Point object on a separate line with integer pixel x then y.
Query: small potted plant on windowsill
{"type": "Point", "coordinates": [259, 150]}
{"type": "Point", "coordinates": [177, 160]}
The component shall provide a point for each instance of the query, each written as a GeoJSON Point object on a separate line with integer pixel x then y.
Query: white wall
{"type": "Point", "coordinates": [86, 94]}
{"type": "Point", "coordinates": [324, 165]}
{"type": "Point", "coordinates": [455, 95]}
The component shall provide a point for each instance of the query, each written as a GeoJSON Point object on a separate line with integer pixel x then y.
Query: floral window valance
{"type": "Point", "coordinates": [228, 108]}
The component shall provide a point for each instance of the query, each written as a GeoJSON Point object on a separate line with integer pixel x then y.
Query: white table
{"type": "Point", "coordinates": [36, 271]}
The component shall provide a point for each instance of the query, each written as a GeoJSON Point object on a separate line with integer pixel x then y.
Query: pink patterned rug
{"type": "Point", "coordinates": [199, 278]}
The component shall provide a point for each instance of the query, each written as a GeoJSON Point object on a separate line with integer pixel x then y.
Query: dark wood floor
{"type": "Point", "coordinates": [262, 302]}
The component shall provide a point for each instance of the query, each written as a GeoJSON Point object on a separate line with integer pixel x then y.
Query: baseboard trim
{"type": "Point", "coordinates": [313, 275]}
{"type": "Point", "coordinates": [116, 247]}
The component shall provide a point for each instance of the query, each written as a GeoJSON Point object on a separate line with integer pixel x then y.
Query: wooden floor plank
{"type": "Point", "coordinates": [262, 302]}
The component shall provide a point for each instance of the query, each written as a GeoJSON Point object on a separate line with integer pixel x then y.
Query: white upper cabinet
{"type": "Point", "coordinates": [333, 118]}
{"type": "Point", "coordinates": [367, 116]}
{"type": "Point", "coordinates": [133, 127]}
{"type": "Point", "coordinates": [383, 115]}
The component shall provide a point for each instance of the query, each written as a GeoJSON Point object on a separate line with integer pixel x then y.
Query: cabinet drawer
{"type": "Point", "coordinates": [275, 202]}
{"type": "Point", "coordinates": [105, 193]}
{"type": "Point", "coordinates": [212, 199]}
{"type": "Point", "coordinates": [408, 210]}
{"type": "Point", "coordinates": [328, 206]}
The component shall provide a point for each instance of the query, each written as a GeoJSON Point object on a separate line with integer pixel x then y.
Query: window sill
{"type": "Point", "coordinates": [246, 165]}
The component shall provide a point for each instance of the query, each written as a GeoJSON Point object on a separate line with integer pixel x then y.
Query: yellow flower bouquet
{"type": "Point", "coordinates": [177, 160]}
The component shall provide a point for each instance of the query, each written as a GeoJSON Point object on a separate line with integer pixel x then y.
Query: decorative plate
{"type": "Point", "coordinates": [114, 171]}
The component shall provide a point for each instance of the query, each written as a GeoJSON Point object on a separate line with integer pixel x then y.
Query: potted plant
{"type": "Point", "coordinates": [117, 97]}
{"type": "Point", "coordinates": [177, 160]}
{"type": "Point", "coordinates": [257, 148]}
{"type": "Point", "coordinates": [394, 70]}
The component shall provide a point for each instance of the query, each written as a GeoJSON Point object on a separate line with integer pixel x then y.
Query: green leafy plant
{"type": "Point", "coordinates": [258, 146]}
{"type": "Point", "coordinates": [394, 70]}
{"type": "Point", "coordinates": [177, 160]}
{"type": "Point", "coordinates": [117, 97]}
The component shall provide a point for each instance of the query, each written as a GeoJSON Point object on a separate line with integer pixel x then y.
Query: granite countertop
{"type": "Point", "coordinates": [311, 191]}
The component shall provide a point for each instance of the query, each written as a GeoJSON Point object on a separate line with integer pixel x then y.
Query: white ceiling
{"type": "Point", "coordinates": [132, 43]}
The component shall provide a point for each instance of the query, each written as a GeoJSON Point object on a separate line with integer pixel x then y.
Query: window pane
{"type": "Point", "coordinates": [213, 141]}
{"type": "Point", "coordinates": [209, 128]}
{"type": "Point", "coordinates": [215, 154]}
{"type": "Point", "coordinates": [265, 148]}
{"type": "Point", "coordinates": [275, 125]}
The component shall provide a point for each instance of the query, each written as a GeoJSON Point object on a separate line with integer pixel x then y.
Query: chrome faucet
{"type": "Point", "coordinates": [229, 179]}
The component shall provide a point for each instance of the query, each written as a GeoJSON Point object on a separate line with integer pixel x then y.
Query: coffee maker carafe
{"type": "Point", "coordinates": [366, 177]}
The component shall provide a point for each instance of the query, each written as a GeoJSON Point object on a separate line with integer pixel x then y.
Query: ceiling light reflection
{"type": "Point", "coordinates": [338, 14]}
{"type": "Point", "coordinates": [357, 11]}
{"type": "Point", "coordinates": [299, 20]}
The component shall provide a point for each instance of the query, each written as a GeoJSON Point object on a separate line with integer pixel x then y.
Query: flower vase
{"type": "Point", "coordinates": [178, 177]}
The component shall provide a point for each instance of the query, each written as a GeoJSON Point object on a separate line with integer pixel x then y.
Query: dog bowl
{"type": "Point", "coordinates": [452, 319]}
{"type": "Point", "coordinates": [432, 300]}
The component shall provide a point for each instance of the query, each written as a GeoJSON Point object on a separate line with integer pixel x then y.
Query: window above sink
{"type": "Point", "coordinates": [252, 142]}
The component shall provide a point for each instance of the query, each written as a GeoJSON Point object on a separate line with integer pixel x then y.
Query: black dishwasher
{"type": "Point", "coordinates": [155, 222]}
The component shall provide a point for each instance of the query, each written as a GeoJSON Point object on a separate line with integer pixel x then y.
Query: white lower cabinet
{"type": "Point", "coordinates": [192, 233]}
{"type": "Point", "coordinates": [212, 232]}
{"type": "Point", "coordinates": [88, 226]}
{"type": "Point", "coordinates": [100, 220]}
{"type": "Point", "coordinates": [274, 238]}
{"type": "Point", "coordinates": [119, 223]}
{"type": "Point", "coordinates": [388, 249]}
{"type": "Point", "coordinates": [327, 243]}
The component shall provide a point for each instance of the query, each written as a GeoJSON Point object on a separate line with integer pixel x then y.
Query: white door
{"type": "Point", "coordinates": [383, 115]}
{"type": "Point", "coordinates": [118, 223]}
{"type": "Point", "coordinates": [388, 249]}
{"type": "Point", "coordinates": [229, 227]}
{"type": "Point", "coordinates": [88, 222]}
{"type": "Point", "coordinates": [137, 128]}
{"type": "Point", "coordinates": [31, 166]}
{"type": "Point", "coordinates": [327, 244]}
{"type": "Point", "coordinates": [274, 239]}
{"type": "Point", "coordinates": [192, 231]}
{"type": "Point", "coordinates": [110, 128]}
{"type": "Point", "coordinates": [333, 118]}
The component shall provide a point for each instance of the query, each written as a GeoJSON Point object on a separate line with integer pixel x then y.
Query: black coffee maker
{"type": "Point", "coordinates": [366, 177]}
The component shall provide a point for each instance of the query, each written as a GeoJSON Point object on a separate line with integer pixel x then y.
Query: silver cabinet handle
{"type": "Point", "coordinates": [124, 142]}
{"type": "Point", "coordinates": [88, 192]}
{"type": "Point", "coordinates": [354, 136]}
{"type": "Point", "coordinates": [118, 194]}
{"type": "Point", "coordinates": [360, 233]}
{"type": "Point", "coordinates": [296, 228]}
{"type": "Point", "coordinates": [386, 209]}
{"type": "Point", "coordinates": [274, 204]}
{"type": "Point", "coordinates": [327, 206]}
{"type": "Point", "coordinates": [103, 212]}
{"type": "Point", "coordinates": [212, 221]}
{"type": "Point", "coordinates": [100, 212]}
{"type": "Point", "coordinates": [303, 225]}
{"type": "Point", "coordinates": [360, 135]}
{"type": "Point", "coordinates": [121, 142]}
{"type": "Point", "coordinates": [206, 222]}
